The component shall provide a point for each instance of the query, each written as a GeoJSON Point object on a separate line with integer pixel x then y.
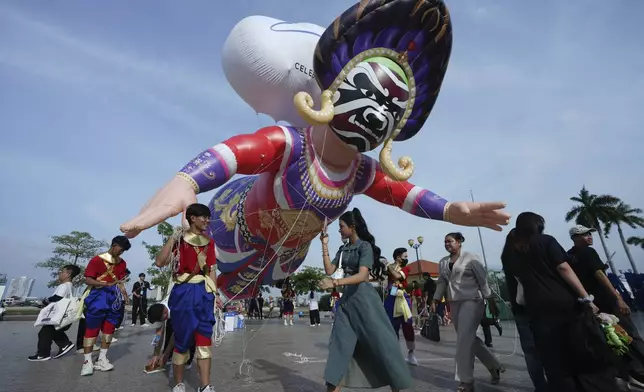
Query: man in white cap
{"type": "Point", "coordinates": [588, 266]}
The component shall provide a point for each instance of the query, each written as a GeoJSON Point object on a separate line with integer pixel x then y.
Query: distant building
{"type": "Point", "coordinates": [20, 287]}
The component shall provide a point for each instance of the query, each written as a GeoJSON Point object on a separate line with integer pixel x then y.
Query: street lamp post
{"type": "Point", "coordinates": [415, 245]}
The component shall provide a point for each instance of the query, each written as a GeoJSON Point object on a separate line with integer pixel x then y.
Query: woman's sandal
{"type": "Point", "coordinates": [496, 375]}
{"type": "Point", "coordinates": [463, 387]}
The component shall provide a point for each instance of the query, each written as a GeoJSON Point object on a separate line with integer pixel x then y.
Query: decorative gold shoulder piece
{"type": "Point", "coordinates": [196, 239]}
{"type": "Point", "coordinates": [106, 257]}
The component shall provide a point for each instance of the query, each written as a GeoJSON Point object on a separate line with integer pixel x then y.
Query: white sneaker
{"type": "Point", "coordinates": [87, 369]}
{"type": "Point", "coordinates": [145, 325]}
{"type": "Point", "coordinates": [114, 340]}
{"type": "Point", "coordinates": [187, 366]}
{"type": "Point", "coordinates": [291, 322]}
{"type": "Point", "coordinates": [133, 325]}
{"type": "Point", "coordinates": [207, 388]}
{"type": "Point", "coordinates": [103, 365]}
{"type": "Point", "coordinates": [411, 359]}
{"type": "Point", "coordinates": [181, 387]}
{"type": "Point", "coordinates": [317, 325]}
{"type": "Point", "coordinates": [285, 322]}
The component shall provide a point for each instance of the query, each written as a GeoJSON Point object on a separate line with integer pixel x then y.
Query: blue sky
{"type": "Point", "coordinates": [101, 104]}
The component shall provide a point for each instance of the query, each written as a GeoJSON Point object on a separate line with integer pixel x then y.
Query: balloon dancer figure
{"type": "Point", "coordinates": [380, 66]}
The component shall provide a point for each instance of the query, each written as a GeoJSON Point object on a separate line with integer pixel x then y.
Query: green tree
{"type": "Point", "coordinates": [593, 211]}
{"type": "Point", "coordinates": [325, 303]}
{"type": "Point", "coordinates": [308, 277]}
{"type": "Point", "coordinates": [160, 277]}
{"type": "Point", "coordinates": [625, 214]}
{"type": "Point", "coordinates": [77, 248]}
{"type": "Point", "coordinates": [637, 241]}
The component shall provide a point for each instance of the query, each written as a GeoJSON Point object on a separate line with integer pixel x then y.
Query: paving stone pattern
{"type": "Point", "coordinates": [276, 358]}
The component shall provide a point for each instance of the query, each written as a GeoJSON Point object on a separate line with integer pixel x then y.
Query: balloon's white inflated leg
{"type": "Point", "coordinates": [267, 61]}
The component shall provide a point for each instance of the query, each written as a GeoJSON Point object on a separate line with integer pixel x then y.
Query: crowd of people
{"type": "Point", "coordinates": [555, 296]}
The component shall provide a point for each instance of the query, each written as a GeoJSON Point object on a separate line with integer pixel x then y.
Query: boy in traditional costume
{"type": "Point", "coordinates": [192, 299]}
{"type": "Point", "coordinates": [102, 302]}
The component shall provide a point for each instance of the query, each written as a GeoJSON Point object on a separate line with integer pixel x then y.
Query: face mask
{"type": "Point", "coordinates": [404, 261]}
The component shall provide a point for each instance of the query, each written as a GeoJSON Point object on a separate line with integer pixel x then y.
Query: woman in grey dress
{"type": "Point", "coordinates": [363, 349]}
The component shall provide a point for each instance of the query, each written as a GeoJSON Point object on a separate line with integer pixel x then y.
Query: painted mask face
{"type": "Point", "coordinates": [369, 103]}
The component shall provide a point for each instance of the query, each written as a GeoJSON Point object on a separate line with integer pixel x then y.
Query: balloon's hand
{"type": "Point", "coordinates": [169, 201]}
{"type": "Point", "coordinates": [488, 215]}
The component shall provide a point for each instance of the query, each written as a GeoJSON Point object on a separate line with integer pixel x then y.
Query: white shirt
{"type": "Point", "coordinates": [313, 303]}
{"type": "Point", "coordinates": [160, 324]}
{"type": "Point", "coordinates": [64, 290]}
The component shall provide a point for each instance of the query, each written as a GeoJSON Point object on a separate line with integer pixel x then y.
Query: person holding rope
{"type": "Point", "coordinates": [363, 348]}
{"type": "Point", "coordinates": [159, 318]}
{"type": "Point", "coordinates": [104, 277]}
{"type": "Point", "coordinates": [192, 299]}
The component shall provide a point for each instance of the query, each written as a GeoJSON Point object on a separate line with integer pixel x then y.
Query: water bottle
{"type": "Point", "coordinates": [155, 340]}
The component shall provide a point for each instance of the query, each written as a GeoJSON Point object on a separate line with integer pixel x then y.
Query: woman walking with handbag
{"type": "Point", "coordinates": [464, 278]}
{"type": "Point", "coordinates": [49, 333]}
{"type": "Point", "coordinates": [363, 348]}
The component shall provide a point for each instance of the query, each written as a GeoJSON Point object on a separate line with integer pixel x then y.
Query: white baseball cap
{"type": "Point", "coordinates": [580, 230]}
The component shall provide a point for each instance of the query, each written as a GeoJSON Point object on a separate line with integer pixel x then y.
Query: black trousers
{"type": "Point", "coordinates": [139, 308]}
{"type": "Point", "coordinates": [314, 315]}
{"type": "Point", "coordinates": [47, 335]}
{"type": "Point", "coordinates": [487, 333]}
{"type": "Point", "coordinates": [80, 335]}
{"type": "Point", "coordinates": [261, 309]}
{"type": "Point", "coordinates": [121, 317]}
{"type": "Point", "coordinates": [168, 335]}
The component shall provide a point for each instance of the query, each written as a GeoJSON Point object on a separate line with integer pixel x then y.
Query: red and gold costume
{"type": "Point", "coordinates": [192, 299]}
{"type": "Point", "coordinates": [398, 306]}
{"type": "Point", "coordinates": [102, 304]}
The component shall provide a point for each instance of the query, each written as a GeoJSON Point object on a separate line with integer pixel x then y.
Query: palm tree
{"type": "Point", "coordinates": [592, 211]}
{"type": "Point", "coordinates": [630, 216]}
{"type": "Point", "coordinates": [637, 241]}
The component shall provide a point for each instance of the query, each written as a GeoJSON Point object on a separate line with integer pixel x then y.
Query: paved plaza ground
{"type": "Point", "coordinates": [278, 358]}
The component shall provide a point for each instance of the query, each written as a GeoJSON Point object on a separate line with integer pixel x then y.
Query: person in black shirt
{"type": "Point", "coordinates": [429, 287]}
{"type": "Point", "coordinates": [140, 300]}
{"type": "Point", "coordinates": [123, 303]}
{"type": "Point", "coordinates": [568, 338]}
{"type": "Point", "coordinates": [590, 269]}
{"type": "Point", "coordinates": [260, 305]}
{"type": "Point", "coordinates": [523, 322]}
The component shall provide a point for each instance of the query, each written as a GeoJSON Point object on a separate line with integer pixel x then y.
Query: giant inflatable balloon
{"type": "Point", "coordinates": [378, 69]}
{"type": "Point", "coordinates": [267, 61]}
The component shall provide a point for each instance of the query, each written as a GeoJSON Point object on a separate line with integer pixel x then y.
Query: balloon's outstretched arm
{"type": "Point", "coordinates": [244, 154]}
{"type": "Point", "coordinates": [408, 197]}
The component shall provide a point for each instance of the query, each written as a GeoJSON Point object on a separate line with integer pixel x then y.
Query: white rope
{"type": "Point", "coordinates": [220, 328]}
